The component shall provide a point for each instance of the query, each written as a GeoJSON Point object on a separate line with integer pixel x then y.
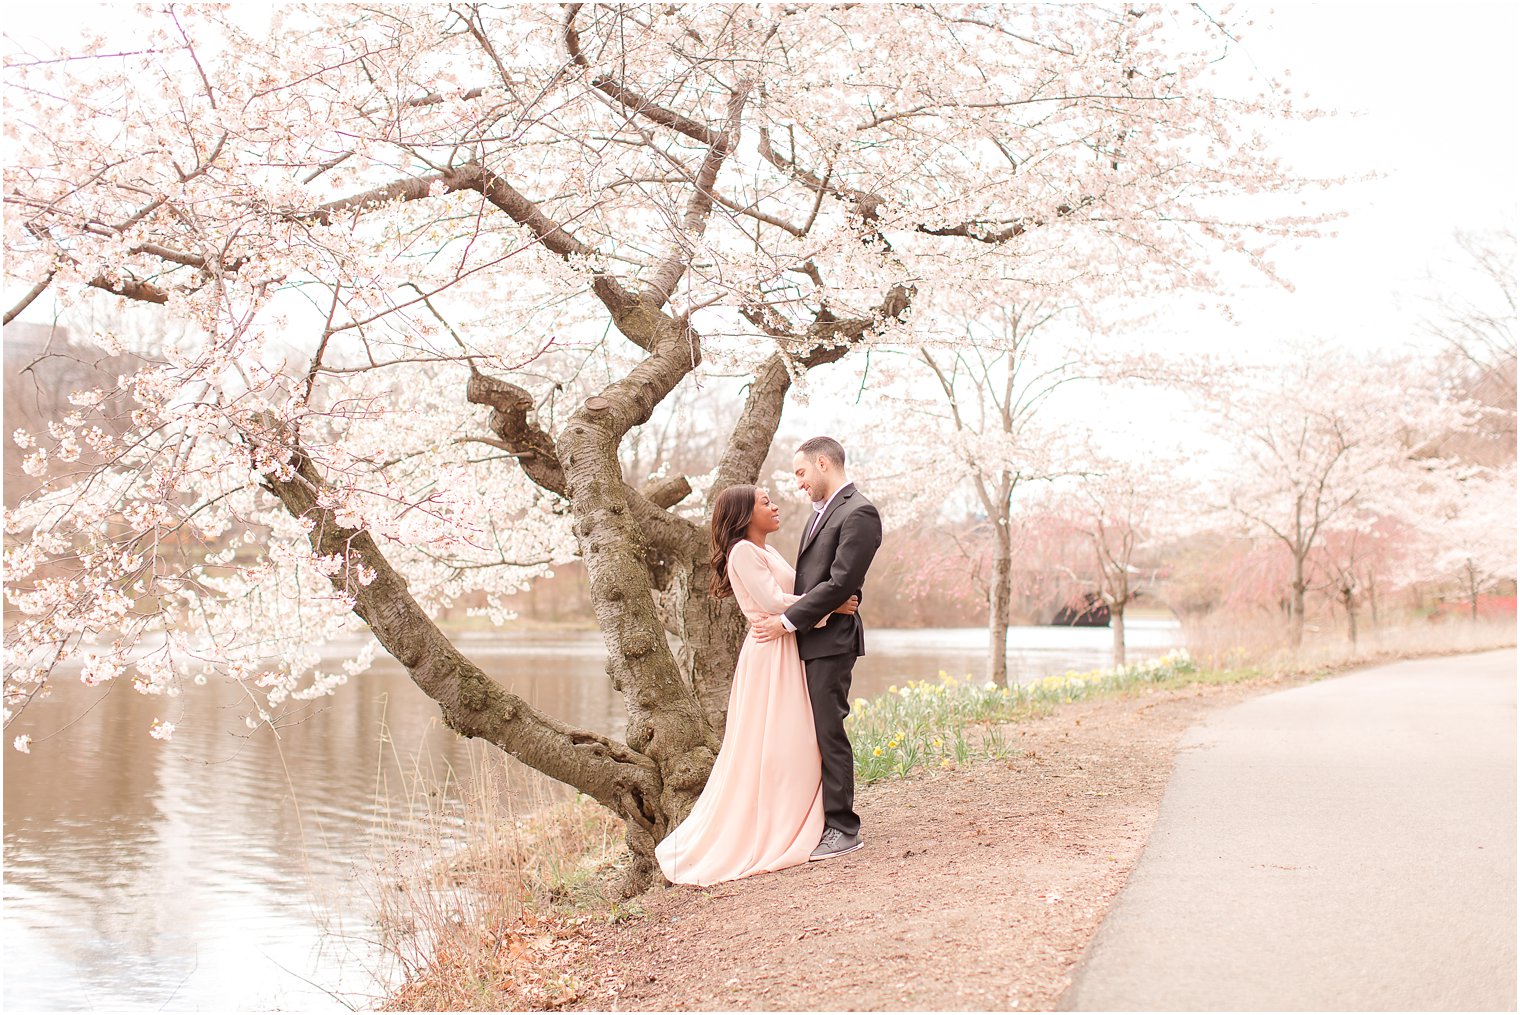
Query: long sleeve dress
{"type": "Point", "coordinates": [762, 808]}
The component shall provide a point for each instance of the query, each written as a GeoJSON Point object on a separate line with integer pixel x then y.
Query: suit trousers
{"type": "Point", "coordinates": [828, 680]}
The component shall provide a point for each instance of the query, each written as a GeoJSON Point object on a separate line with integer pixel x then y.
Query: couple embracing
{"type": "Point", "coordinates": [782, 791]}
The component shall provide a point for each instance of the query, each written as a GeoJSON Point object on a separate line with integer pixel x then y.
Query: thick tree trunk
{"type": "Point", "coordinates": [708, 631]}
{"type": "Point", "coordinates": [999, 601]}
{"type": "Point", "coordinates": [627, 540]}
{"type": "Point", "coordinates": [665, 722]}
{"type": "Point", "coordinates": [1116, 622]}
{"type": "Point", "coordinates": [676, 554]}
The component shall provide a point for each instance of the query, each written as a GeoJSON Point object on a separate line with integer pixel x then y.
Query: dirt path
{"type": "Point", "coordinates": [976, 890]}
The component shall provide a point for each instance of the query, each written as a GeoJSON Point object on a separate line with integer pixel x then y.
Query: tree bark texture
{"type": "Point", "coordinates": [1348, 600]}
{"type": "Point", "coordinates": [1296, 603]}
{"type": "Point", "coordinates": [999, 601]}
{"type": "Point", "coordinates": [1470, 574]}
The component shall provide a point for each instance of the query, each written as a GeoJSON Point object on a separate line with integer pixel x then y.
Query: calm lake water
{"type": "Point", "coordinates": [222, 871]}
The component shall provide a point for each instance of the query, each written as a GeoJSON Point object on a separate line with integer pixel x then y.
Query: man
{"type": "Point", "coordinates": [837, 546]}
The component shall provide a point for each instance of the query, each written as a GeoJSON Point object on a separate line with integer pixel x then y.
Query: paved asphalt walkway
{"type": "Point", "coordinates": [1344, 845]}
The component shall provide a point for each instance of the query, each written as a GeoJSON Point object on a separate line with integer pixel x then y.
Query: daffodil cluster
{"type": "Point", "coordinates": [951, 721]}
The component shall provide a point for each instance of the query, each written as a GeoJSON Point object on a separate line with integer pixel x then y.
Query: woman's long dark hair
{"type": "Point", "coordinates": [732, 510]}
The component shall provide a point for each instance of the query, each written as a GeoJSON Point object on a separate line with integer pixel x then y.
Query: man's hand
{"type": "Point", "coordinates": [849, 606]}
{"type": "Point", "coordinates": [767, 628]}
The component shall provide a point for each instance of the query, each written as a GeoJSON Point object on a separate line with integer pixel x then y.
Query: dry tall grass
{"type": "Point", "coordinates": [478, 884]}
{"type": "Point", "coordinates": [1223, 642]}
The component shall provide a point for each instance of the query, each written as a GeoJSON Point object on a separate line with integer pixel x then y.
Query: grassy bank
{"type": "Point", "coordinates": [487, 909]}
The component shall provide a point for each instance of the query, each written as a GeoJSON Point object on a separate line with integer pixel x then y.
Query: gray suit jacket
{"type": "Point", "coordinates": [831, 567]}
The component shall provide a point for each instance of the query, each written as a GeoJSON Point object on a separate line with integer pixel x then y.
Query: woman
{"type": "Point", "coordinates": [762, 808]}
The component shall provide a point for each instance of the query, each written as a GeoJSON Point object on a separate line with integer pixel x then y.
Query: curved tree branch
{"type": "Point", "coordinates": [471, 703]}
{"type": "Point", "coordinates": [31, 295]}
{"type": "Point", "coordinates": [511, 407]}
{"type": "Point", "coordinates": [636, 103]}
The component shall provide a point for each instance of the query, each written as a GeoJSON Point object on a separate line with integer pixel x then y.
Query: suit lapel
{"type": "Point", "coordinates": [845, 493]}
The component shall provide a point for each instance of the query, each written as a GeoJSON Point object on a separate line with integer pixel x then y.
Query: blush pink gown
{"type": "Point", "coordinates": [762, 808]}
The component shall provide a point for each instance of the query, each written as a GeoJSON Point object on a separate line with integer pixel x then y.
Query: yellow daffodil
{"type": "Point", "coordinates": [877, 752]}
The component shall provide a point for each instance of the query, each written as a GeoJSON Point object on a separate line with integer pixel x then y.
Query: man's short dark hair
{"type": "Point", "coordinates": [828, 447]}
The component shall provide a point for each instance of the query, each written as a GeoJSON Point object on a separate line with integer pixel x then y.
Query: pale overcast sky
{"type": "Point", "coordinates": [1429, 98]}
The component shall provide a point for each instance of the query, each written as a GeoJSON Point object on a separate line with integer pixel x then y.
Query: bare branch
{"type": "Point", "coordinates": [667, 492]}
{"type": "Point", "coordinates": [826, 342]}
{"type": "Point", "coordinates": [132, 289]}
{"type": "Point", "coordinates": [31, 295]}
{"type": "Point", "coordinates": [636, 103]}
{"type": "Point", "coordinates": [413, 188]}
{"type": "Point", "coordinates": [668, 275]}
{"type": "Point", "coordinates": [866, 203]}
{"type": "Point", "coordinates": [754, 212]}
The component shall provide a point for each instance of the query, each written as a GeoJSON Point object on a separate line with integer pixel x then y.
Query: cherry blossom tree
{"type": "Point", "coordinates": [1356, 563]}
{"type": "Point", "coordinates": [1472, 314]}
{"type": "Point", "coordinates": [1122, 506]}
{"type": "Point", "coordinates": [1472, 543]}
{"type": "Point", "coordinates": [1330, 439]}
{"type": "Point", "coordinates": [434, 265]}
{"type": "Point", "coordinates": [985, 420]}
{"type": "Point", "coordinates": [981, 424]}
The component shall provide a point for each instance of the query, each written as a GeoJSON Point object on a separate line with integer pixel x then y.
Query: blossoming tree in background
{"type": "Point", "coordinates": [1471, 545]}
{"type": "Point", "coordinates": [1329, 440]}
{"type": "Point", "coordinates": [434, 265]}
{"type": "Point", "coordinates": [1357, 565]}
{"type": "Point", "coordinates": [969, 413]}
{"type": "Point", "coordinates": [1121, 505]}
{"type": "Point", "coordinates": [1472, 313]}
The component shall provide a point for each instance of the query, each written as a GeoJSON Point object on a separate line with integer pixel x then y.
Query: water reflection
{"type": "Point", "coordinates": [225, 871]}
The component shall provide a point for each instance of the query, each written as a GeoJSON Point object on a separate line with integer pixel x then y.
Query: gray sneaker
{"type": "Point", "coordinates": [835, 843]}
